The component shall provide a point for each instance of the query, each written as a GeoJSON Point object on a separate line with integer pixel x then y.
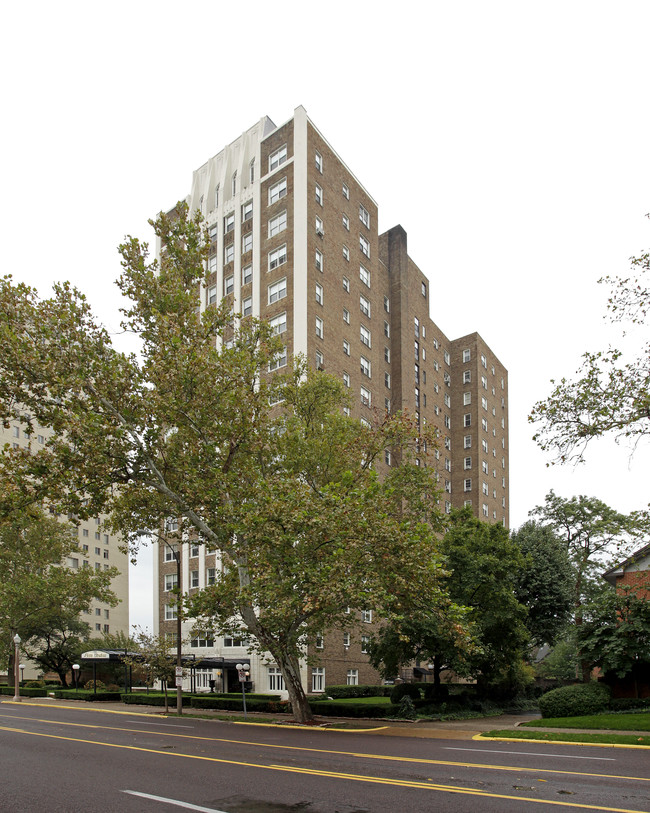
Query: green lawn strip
{"type": "Point", "coordinates": [557, 736]}
{"type": "Point", "coordinates": [615, 722]}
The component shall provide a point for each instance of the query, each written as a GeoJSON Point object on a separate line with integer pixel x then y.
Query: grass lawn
{"type": "Point", "coordinates": [555, 736]}
{"type": "Point", "coordinates": [639, 721]}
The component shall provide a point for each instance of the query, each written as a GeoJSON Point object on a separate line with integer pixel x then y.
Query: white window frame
{"type": "Point", "coordinates": [277, 158]}
{"type": "Point", "coordinates": [364, 216]}
{"type": "Point", "coordinates": [277, 191]}
{"type": "Point", "coordinates": [277, 257]}
{"type": "Point", "coordinates": [364, 245]}
{"type": "Point", "coordinates": [278, 223]}
{"type": "Point", "coordinates": [364, 305]}
{"type": "Point", "coordinates": [319, 327]}
{"type": "Point", "coordinates": [277, 290]}
{"type": "Point", "coordinates": [365, 336]}
{"type": "Point", "coordinates": [364, 275]}
{"type": "Point", "coordinates": [279, 323]}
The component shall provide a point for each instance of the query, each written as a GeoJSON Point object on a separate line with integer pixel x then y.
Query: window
{"type": "Point", "coordinates": [202, 641]}
{"type": "Point", "coordinates": [234, 640]}
{"type": "Point", "coordinates": [228, 284]}
{"type": "Point", "coordinates": [319, 294]}
{"type": "Point", "coordinates": [318, 158]}
{"type": "Point", "coordinates": [277, 257]}
{"type": "Point", "coordinates": [366, 616]}
{"type": "Point", "coordinates": [387, 355]}
{"type": "Point", "coordinates": [485, 510]}
{"type": "Point", "coordinates": [365, 336]}
{"type": "Point", "coordinates": [210, 575]}
{"type": "Point", "coordinates": [364, 275]}
{"type": "Point", "coordinates": [171, 581]}
{"type": "Point", "coordinates": [346, 379]}
{"type": "Point", "coordinates": [279, 323]}
{"type": "Point", "coordinates": [484, 425]}
{"type": "Point", "coordinates": [228, 223]}
{"type": "Point", "coordinates": [318, 257]}
{"type": "Point", "coordinates": [447, 357]}
{"type": "Point", "coordinates": [484, 361]}
{"type": "Point", "coordinates": [251, 170]}
{"type": "Point", "coordinates": [319, 327]}
{"type": "Point", "coordinates": [467, 463]}
{"type": "Point", "coordinates": [276, 681]}
{"type": "Point", "coordinates": [424, 290]}
{"type": "Point", "coordinates": [447, 400]}
{"type": "Point", "coordinates": [467, 376]}
{"type": "Point", "coordinates": [234, 182]}
{"type": "Point", "coordinates": [194, 578]}
{"type": "Point", "coordinates": [211, 295]}
{"type": "Point", "coordinates": [247, 242]}
{"type": "Point", "coordinates": [170, 612]}
{"type": "Point", "coordinates": [467, 442]}
{"type": "Point", "coordinates": [346, 316]}
{"type": "Point", "coordinates": [105, 554]}
{"type": "Point", "coordinates": [194, 550]}
{"type": "Point", "coordinates": [387, 457]}
{"type": "Point", "coordinates": [318, 679]}
{"type": "Point", "coordinates": [485, 467]}
{"type": "Point", "coordinates": [484, 403]}
{"type": "Point", "coordinates": [386, 330]}
{"type": "Point", "coordinates": [346, 191]}
{"type": "Point", "coordinates": [247, 306]}
{"type": "Point", "coordinates": [212, 264]}
{"type": "Point", "coordinates": [387, 304]}
{"type": "Point", "coordinates": [246, 274]}
{"type": "Point", "coordinates": [346, 347]}
{"type": "Point", "coordinates": [277, 191]}
{"type": "Point", "coordinates": [319, 641]}
{"type": "Point", "coordinates": [364, 305]}
{"type": "Point", "coordinates": [320, 360]}
{"type": "Point", "coordinates": [447, 422]}
{"type": "Point", "coordinates": [346, 222]}
{"type": "Point", "coordinates": [352, 678]}
{"type": "Point", "coordinates": [229, 253]}
{"type": "Point", "coordinates": [247, 211]}
{"type": "Point", "coordinates": [278, 224]}
{"type": "Point", "coordinates": [365, 366]}
{"type": "Point", "coordinates": [279, 360]}
{"type": "Point", "coordinates": [319, 227]}
{"type": "Point", "coordinates": [467, 485]}
{"type": "Point", "coordinates": [346, 639]}
{"type": "Point", "coordinates": [484, 446]}
{"type": "Point", "coordinates": [366, 397]}
{"type": "Point", "coordinates": [387, 380]}
{"type": "Point", "coordinates": [467, 398]}
{"type": "Point", "coordinates": [346, 253]}
{"type": "Point", "coordinates": [364, 216]}
{"type": "Point", "coordinates": [364, 245]}
{"type": "Point", "coordinates": [216, 196]}
{"type": "Point", "coordinates": [277, 290]}
{"type": "Point", "coordinates": [319, 195]}
{"type": "Point", "coordinates": [466, 356]}
{"type": "Point", "coordinates": [277, 158]}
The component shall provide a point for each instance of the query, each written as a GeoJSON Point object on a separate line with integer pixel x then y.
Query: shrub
{"type": "Point", "coordinates": [404, 690]}
{"type": "Point", "coordinates": [338, 692]}
{"type": "Point", "coordinates": [85, 694]}
{"type": "Point", "coordinates": [330, 708]}
{"type": "Point", "coordinates": [430, 692]}
{"type": "Point", "coordinates": [24, 691]}
{"type": "Point", "coordinates": [34, 684]}
{"type": "Point", "coordinates": [629, 703]}
{"type": "Point", "coordinates": [407, 709]}
{"type": "Point", "coordinates": [574, 701]}
{"type": "Point", "coordinates": [94, 683]}
{"type": "Point", "coordinates": [207, 701]}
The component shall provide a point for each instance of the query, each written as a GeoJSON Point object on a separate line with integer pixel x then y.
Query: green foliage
{"type": "Point", "coordinates": [330, 708]}
{"type": "Point", "coordinates": [573, 701]}
{"type": "Point", "coordinates": [615, 633]}
{"type": "Point", "coordinates": [94, 684]}
{"type": "Point", "coordinates": [361, 690]}
{"type": "Point", "coordinates": [407, 709]}
{"type": "Point", "coordinates": [150, 699]}
{"type": "Point", "coordinates": [561, 663]}
{"type": "Point", "coordinates": [59, 644]}
{"type": "Point", "coordinates": [624, 704]}
{"type": "Point", "coordinates": [404, 690]}
{"type": "Point", "coordinates": [24, 691]}
{"type": "Point", "coordinates": [35, 587]}
{"type": "Point", "coordinates": [87, 694]}
{"type": "Point", "coordinates": [287, 495]}
{"type": "Point", "coordinates": [608, 397]}
{"type": "Point", "coordinates": [544, 585]}
{"type": "Point", "coordinates": [33, 684]}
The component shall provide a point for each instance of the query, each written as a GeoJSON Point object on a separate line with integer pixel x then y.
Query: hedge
{"type": "Point", "coordinates": [629, 703]}
{"type": "Point", "coordinates": [404, 690]}
{"type": "Point", "coordinates": [85, 694]}
{"type": "Point", "coordinates": [231, 704]}
{"type": "Point", "coordinates": [339, 692]}
{"type": "Point", "coordinates": [574, 701]}
{"type": "Point", "coordinates": [330, 708]}
{"type": "Point", "coordinates": [25, 691]}
{"type": "Point", "coordinates": [152, 699]}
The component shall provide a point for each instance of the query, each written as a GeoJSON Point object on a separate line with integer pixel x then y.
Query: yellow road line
{"type": "Point", "coordinates": [77, 708]}
{"type": "Point", "coordinates": [330, 774]}
{"type": "Point", "coordinates": [480, 738]}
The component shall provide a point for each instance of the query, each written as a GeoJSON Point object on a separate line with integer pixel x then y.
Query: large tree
{"type": "Point", "coordinates": [595, 536]}
{"type": "Point", "coordinates": [187, 428]}
{"type": "Point", "coordinates": [480, 631]}
{"type": "Point", "coordinates": [37, 586]}
{"type": "Point", "coordinates": [58, 644]}
{"type": "Point", "coordinates": [611, 394]}
{"type": "Point", "coordinates": [544, 585]}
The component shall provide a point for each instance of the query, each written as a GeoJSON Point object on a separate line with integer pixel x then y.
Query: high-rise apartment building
{"type": "Point", "coordinates": [294, 240]}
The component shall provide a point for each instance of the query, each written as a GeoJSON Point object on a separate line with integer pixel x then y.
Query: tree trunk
{"type": "Point", "coordinates": [290, 669]}
{"type": "Point", "coordinates": [10, 669]}
{"type": "Point", "coordinates": [437, 668]}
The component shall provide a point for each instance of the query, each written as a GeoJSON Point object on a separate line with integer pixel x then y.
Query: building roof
{"type": "Point", "coordinates": [641, 556]}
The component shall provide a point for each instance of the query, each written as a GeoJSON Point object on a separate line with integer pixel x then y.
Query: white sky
{"type": "Point", "coordinates": [510, 139]}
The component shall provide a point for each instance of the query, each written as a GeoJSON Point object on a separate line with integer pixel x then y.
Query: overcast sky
{"type": "Point", "coordinates": [510, 139]}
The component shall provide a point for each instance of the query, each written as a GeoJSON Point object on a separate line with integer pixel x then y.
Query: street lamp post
{"type": "Point", "coordinates": [75, 672]}
{"type": "Point", "coordinates": [243, 669]}
{"type": "Point", "coordinates": [16, 668]}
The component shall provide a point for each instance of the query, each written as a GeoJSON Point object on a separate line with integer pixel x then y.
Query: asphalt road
{"type": "Point", "coordinates": [56, 759]}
